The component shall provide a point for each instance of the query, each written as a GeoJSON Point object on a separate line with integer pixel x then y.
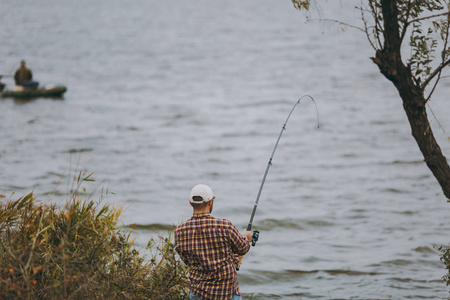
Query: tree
{"type": "Point", "coordinates": [388, 25]}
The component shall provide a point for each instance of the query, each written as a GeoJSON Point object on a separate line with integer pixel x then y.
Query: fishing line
{"type": "Point", "coordinates": [249, 227]}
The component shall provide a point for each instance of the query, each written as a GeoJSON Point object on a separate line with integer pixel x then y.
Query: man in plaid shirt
{"type": "Point", "coordinates": [210, 246]}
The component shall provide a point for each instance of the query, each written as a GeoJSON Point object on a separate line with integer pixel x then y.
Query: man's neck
{"type": "Point", "coordinates": [201, 211]}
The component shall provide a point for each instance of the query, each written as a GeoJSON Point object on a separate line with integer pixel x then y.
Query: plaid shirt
{"type": "Point", "coordinates": [207, 245]}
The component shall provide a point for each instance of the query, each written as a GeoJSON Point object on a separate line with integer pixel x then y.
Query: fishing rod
{"type": "Point", "coordinates": [255, 234]}
{"type": "Point", "coordinates": [249, 226]}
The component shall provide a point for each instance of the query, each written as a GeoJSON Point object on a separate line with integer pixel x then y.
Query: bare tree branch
{"type": "Point", "coordinates": [340, 23]}
{"type": "Point", "coordinates": [426, 18]}
{"type": "Point", "coordinates": [366, 30]}
{"type": "Point", "coordinates": [435, 73]}
{"type": "Point", "coordinates": [406, 24]}
{"type": "Point", "coordinates": [378, 25]}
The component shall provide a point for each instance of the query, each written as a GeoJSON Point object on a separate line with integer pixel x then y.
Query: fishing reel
{"type": "Point", "coordinates": [255, 237]}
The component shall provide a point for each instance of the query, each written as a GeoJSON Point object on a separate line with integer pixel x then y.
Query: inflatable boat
{"type": "Point", "coordinates": [50, 91]}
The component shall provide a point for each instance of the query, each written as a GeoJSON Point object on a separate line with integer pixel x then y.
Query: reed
{"type": "Point", "coordinates": [79, 252]}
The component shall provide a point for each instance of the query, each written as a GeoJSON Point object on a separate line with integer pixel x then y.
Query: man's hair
{"type": "Point", "coordinates": [199, 205]}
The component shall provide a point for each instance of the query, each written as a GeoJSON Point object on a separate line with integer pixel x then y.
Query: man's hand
{"type": "Point", "coordinates": [248, 235]}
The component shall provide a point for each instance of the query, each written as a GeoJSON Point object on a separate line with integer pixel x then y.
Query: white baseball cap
{"type": "Point", "coordinates": [201, 190]}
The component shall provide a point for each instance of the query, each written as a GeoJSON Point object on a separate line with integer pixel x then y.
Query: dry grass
{"type": "Point", "coordinates": [79, 252]}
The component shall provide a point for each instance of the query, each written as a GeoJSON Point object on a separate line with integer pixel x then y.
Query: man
{"type": "Point", "coordinates": [23, 75]}
{"type": "Point", "coordinates": [210, 246]}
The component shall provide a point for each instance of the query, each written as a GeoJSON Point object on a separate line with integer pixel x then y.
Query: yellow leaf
{"type": "Point", "coordinates": [36, 269]}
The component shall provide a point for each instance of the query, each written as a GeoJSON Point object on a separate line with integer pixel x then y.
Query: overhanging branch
{"type": "Point", "coordinates": [435, 73]}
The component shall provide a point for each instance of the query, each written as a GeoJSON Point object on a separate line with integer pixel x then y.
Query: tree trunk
{"type": "Point", "coordinates": [391, 66]}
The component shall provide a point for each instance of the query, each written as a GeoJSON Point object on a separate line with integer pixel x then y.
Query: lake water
{"type": "Point", "coordinates": [163, 95]}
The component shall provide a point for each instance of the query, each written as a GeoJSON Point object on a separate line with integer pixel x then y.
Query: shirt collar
{"type": "Point", "coordinates": [201, 215]}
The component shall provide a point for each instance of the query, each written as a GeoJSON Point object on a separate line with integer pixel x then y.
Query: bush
{"type": "Point", "coordinates": [445, 258]}
{"type": "Point", "coordinates": [79, 252]}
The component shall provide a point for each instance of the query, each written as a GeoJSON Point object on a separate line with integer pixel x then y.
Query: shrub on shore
{"type": "Point", "coordinates": [445, 258]}
{"type": "Point", "coordinates": [80, 252]}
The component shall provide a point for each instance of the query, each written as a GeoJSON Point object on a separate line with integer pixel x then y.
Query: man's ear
{"type": "Point", "coordinates": [191, 204]}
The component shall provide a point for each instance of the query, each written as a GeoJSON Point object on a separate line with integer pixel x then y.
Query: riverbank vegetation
{"type": "Point", "coordinates": [79, 251]}
{"type": "Point", "coordinates": [445, 258]}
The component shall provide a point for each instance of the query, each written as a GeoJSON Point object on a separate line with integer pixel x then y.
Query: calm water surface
{"type": "Point", "coordinates": [165, 95]}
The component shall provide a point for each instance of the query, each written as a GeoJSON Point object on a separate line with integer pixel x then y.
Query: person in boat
{"type": "Point", "coordinates": [24, 76]}
{"type": "Point", "coordinates": [210, 248]}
